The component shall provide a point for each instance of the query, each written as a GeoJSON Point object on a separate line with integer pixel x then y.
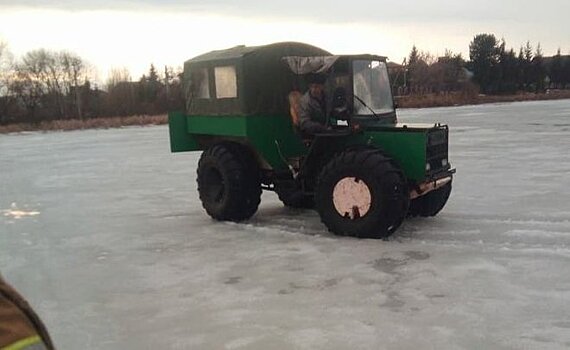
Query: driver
{"type": "Point", "coordinates": [312, 107]}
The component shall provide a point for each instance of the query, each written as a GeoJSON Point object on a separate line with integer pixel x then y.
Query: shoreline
{"type": "Point", "coordinates": [458, 99]}
{"type": "Point", "coordinates": [92, 123]}
{"type": "Point", "coordinates": [408, 102]}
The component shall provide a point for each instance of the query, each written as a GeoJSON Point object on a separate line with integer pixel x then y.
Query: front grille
{"type": "Point", "coordinates": [437, 151]}
{"type": "Point", "coordinates": [437, 137]}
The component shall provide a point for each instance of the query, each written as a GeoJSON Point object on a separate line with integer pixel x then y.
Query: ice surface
{"type": "Point", "coordinates": [123, 257]}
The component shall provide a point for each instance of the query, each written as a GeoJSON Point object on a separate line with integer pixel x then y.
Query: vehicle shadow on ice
{"type": "Point", "coordinates": [278, 218]}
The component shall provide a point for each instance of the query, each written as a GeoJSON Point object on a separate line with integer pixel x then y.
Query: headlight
{"type": "Point", "coordinates": [444, 162]}
{"type": "Point", "coordinates": [428, 167]}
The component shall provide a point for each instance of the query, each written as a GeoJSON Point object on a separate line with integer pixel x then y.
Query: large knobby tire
{"type": "Point", "coordinates": [362, 193]}
{"type": "Point", "coordinates": [229, 182]}
{"type": "Point", "coordinates": [432, 203]}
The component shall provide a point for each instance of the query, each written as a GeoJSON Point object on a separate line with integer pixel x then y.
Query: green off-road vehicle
{"type": "Point", "coordinates": [364, 177]}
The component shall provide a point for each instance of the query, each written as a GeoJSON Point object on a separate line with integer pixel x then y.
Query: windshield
{"type": "Point", "coordinates": [371, 88]}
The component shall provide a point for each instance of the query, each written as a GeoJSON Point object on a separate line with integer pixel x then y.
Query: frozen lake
{"type": "Point", "coordinates": [103, 231]}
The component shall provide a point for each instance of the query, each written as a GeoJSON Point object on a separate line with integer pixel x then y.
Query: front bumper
{"type": "Point", "coordinates": [432, 184]}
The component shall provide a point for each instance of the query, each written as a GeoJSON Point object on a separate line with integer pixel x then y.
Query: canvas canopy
{"type": "Point", "coordinates": [310, 65]}
{"type": "Point", "coordinates": [250, 80]}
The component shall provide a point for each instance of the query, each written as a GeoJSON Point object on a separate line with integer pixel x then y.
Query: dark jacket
{"type": "Point", "coordinates": [312, 115]}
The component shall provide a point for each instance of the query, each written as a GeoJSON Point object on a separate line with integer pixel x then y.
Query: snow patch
{"type": "Point", "coordinates": [15, 213]}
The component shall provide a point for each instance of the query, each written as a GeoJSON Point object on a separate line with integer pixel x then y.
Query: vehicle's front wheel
{"type": "Point", "coordinates": [432, 203]}
{"type": "Point", "coordinates": [229, 182]}
{"type": "Point", "coordinates": [362, 193]}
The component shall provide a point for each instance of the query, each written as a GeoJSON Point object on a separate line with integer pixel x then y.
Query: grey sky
{"type": "Point", "coordinates": [375, 26]}
{"type": "Point", "coordinates": [552, 13]}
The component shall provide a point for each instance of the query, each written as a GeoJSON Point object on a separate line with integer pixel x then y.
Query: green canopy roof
{"type": "Point", "coordinates": [265, 51]}
{"type": "Point", "coordinates": [233, 53]}
{"type": "Point", "coordinates": [263, 79]}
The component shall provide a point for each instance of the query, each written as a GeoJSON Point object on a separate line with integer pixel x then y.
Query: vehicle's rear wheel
{"type": "Point", "coordinates": [362, 193]}
{"type": "Point", "coordinates": [432, 203]}
{"type": "Point", "coordinates": [229, 182]}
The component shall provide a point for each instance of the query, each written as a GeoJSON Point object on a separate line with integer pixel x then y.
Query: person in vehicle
{"type": "Point", "coordinates": [312, 107]}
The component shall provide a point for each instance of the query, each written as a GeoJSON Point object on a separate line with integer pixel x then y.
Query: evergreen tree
{"type": "Point", "coordinates": [565, 72]}
{"type": "Point", "coordinates": [556, 70]}
{"type": "Point", "coordinates": [509, 70]}
{"type": "Point", "coordinates": [153, 84]}
{"type": "Point", "coordinates": [412, 66]}
{"type": "Point", "coordinates": [484, 52]}
{"type": "Point", "coordinates": [149, 88]}
{"type": "Point", "coordinates": [527, 69]}
{"type": "Point", "coordinates": [538, 69]}
{"type": "Point", "coordinates": [452, 70]}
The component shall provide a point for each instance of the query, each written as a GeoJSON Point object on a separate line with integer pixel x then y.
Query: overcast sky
{"type": "Point", "coordinates": [134, 34]}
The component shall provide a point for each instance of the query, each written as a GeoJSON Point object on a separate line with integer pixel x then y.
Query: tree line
{"type": "Point", "coordinates": [491, 69]}
{"type": "Point", "coordinates": [49, 85]}
{"type": "Point", "coordinates": [423, 73]}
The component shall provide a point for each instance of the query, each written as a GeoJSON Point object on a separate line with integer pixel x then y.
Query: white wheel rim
{"type": "Point", "coordinates": [352, 198]}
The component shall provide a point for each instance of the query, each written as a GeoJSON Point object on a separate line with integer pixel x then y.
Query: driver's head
{"type": "Point", "coordinates": [317, 85]}
{"type": "Point", "coordinates": [317, 90]}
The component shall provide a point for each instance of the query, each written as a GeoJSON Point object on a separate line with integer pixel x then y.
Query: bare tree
{"type": "Point", "coordinates": [54, 80]}
{"type": "Point", "coordinates": [5, 67]}
{"type": "Point", "coordinates": [31, 80]}
{"type": "Point", "coordinates": [116, 76]}
{"type": "Point", "coordinates": [75, 72]}
{"type": "Point", "coordinates": [6, 76]}
{"type": "Point", "coordinates": [27, 90]}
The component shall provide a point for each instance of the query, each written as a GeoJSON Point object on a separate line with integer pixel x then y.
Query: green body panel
{"type": "Point", "coordinates": [274, 138]}
{"type": "Point", "coordinates": [218, 125]}
{"type": "Point", "coordinates": [407, 146]}
{"type": "Point", "coordinates": [180, 140]}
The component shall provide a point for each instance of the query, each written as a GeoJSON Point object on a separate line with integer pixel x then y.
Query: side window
{"type": "Point", "coordinates": [201, 83]}
{"type": "Point", "coordinates": [226, 82]}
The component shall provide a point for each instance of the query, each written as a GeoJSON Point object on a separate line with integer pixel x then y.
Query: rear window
{"type": "Point", "coordinates": [201, 83]}
{"type": "Point", "coordinates": [226, 82]}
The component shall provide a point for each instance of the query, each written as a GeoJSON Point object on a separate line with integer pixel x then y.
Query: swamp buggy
{"type": "Point", "coordinates": [364, 177]}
